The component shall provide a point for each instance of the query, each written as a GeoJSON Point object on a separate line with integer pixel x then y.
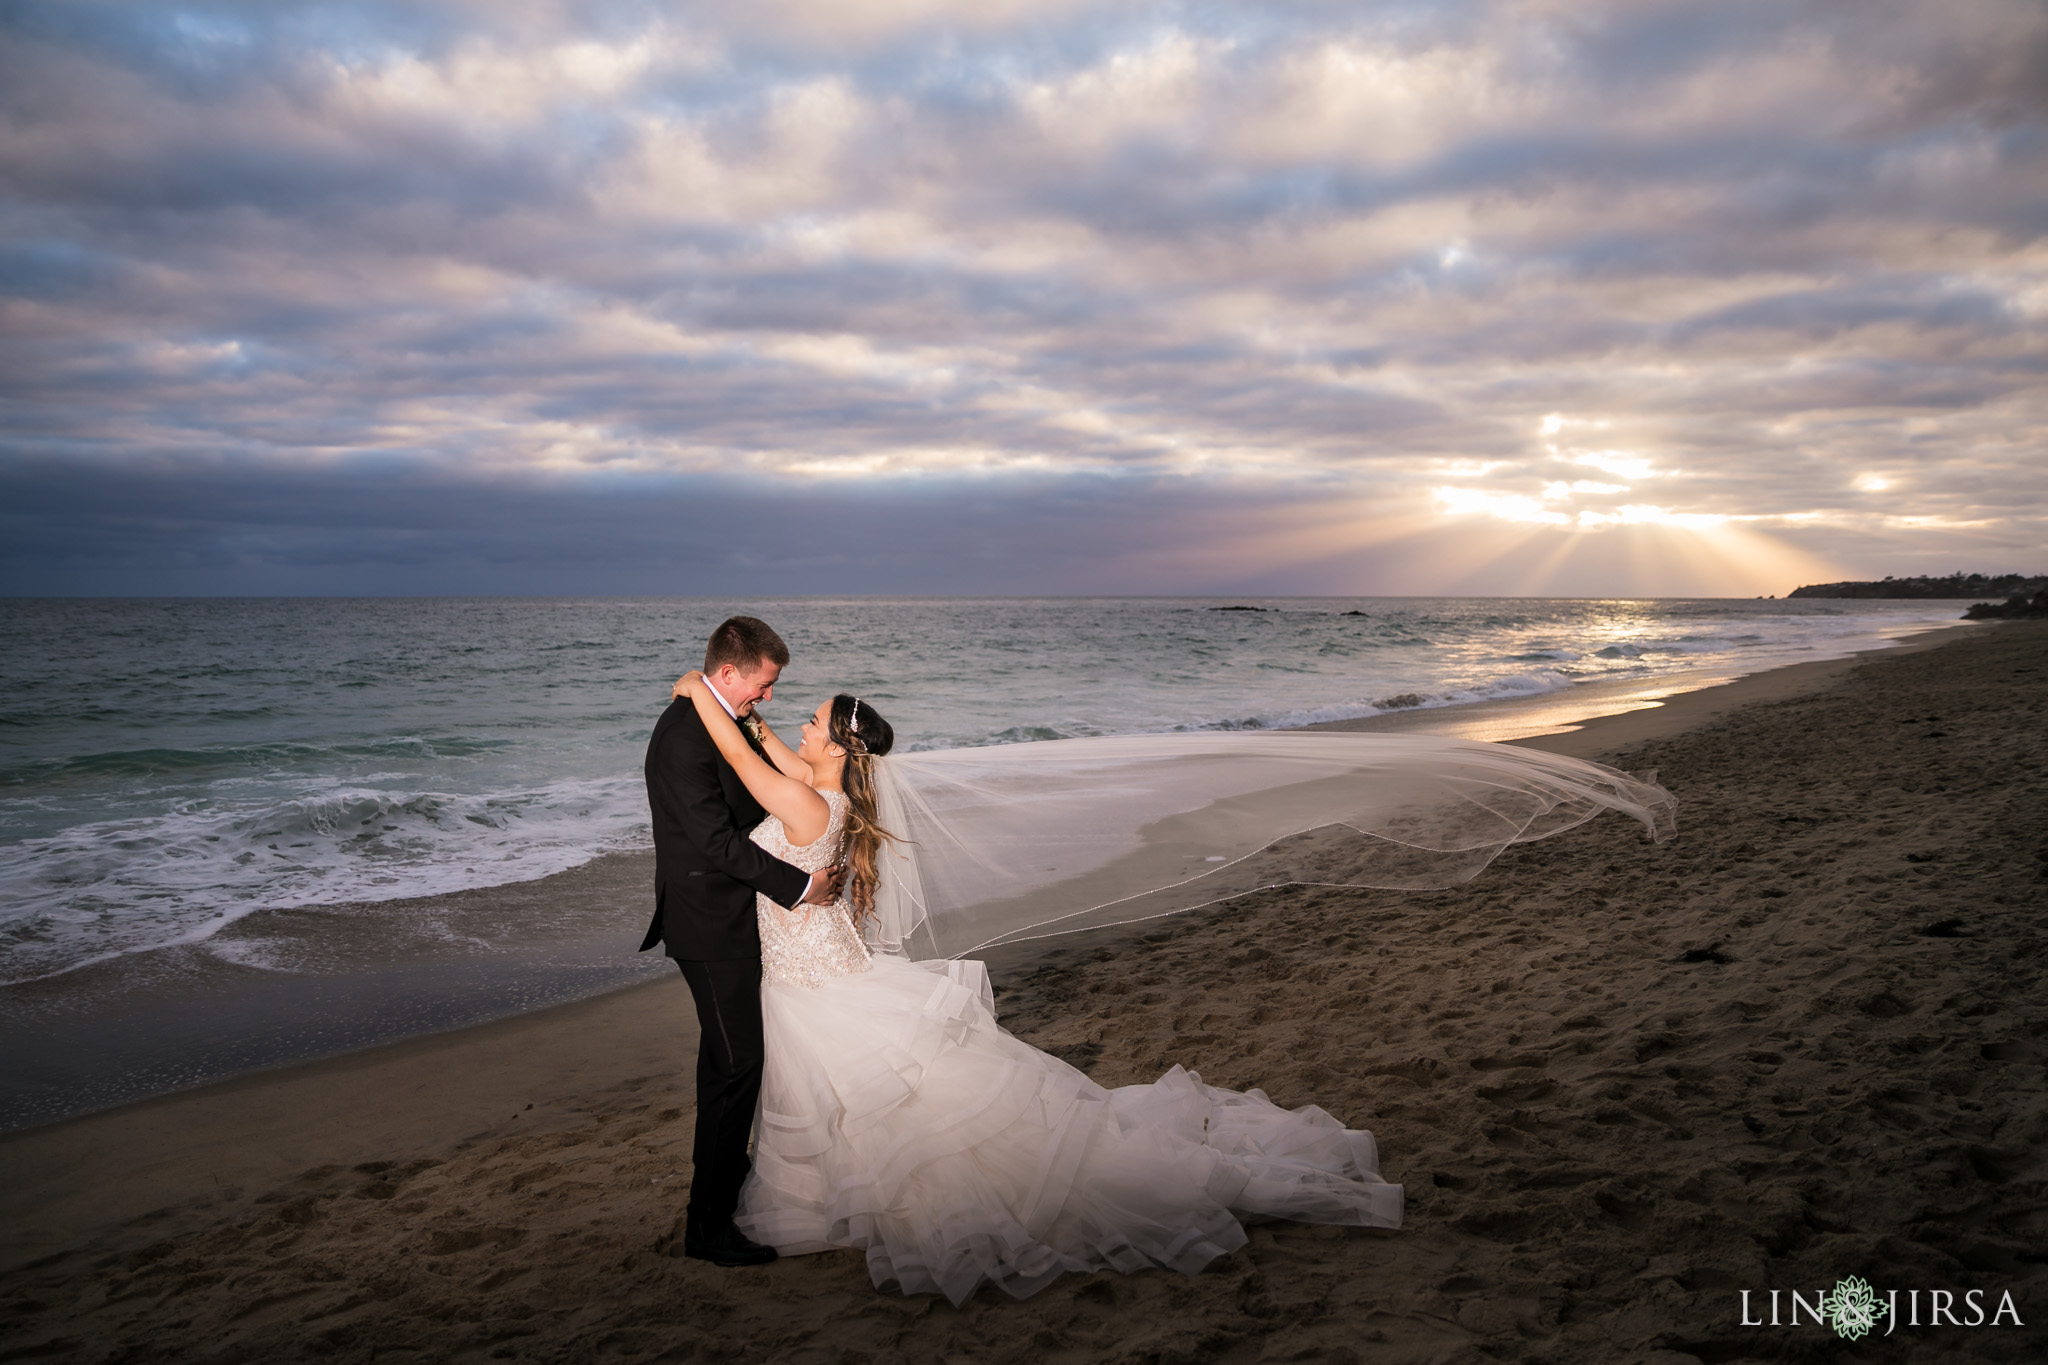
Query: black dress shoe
{"type": "Point", "coordinates": [726, 1246]}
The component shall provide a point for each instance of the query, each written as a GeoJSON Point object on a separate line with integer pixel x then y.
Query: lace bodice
{"type": "Point", "coordinates": [807, 945]}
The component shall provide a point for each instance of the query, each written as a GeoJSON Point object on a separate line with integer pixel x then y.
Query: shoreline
{"type": "Point", "coordinates": [334, 980]}
{"type": "Point", "coordinates": [251, 1098]}
{"type": "Point", "coordinates": [1619, 1081]}
{"type": "Point", "coordinates": [181, 1018]}
{"type": "Point", "coordinates": [206, 1150]}
{"type": "Point", "coordinates": [1578, 720]}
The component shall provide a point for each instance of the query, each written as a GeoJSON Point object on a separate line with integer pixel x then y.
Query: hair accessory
{"type": "Point", "coordinates": [854, 723]}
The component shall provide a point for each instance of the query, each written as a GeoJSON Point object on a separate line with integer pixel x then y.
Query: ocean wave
{"type": "Point", "coordinates": [243, 757]}
{"type": "Point", "coordinates": [106, 888]}
{"type": "Point", "coordinates": [1512, 685]}
{"type": "Point", "coordinates": [1026, 734]}
{"type": "Point", "coordinates": [332, 767]}
{"type": "Point", "coordinates": [1493, 689]}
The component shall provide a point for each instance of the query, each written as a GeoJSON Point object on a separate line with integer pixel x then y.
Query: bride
{"type": "Point", "coordinates": [897, 1117]}
{"type": "Point", "coordinates": [902, 1120]}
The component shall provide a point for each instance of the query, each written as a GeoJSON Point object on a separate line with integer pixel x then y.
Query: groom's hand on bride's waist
{"type": "Point", "coordinates": [824, 888]}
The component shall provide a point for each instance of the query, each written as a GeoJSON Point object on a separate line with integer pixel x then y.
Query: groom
{"type": "Point", "coordinates": [706, 872]}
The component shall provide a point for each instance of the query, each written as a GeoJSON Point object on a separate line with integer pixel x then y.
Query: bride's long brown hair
{"type": "Point", "coordinates": [860, 730]}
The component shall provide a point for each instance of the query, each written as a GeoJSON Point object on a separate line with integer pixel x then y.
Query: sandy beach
{"type": "Point", "coordinates": [1622, 1083]}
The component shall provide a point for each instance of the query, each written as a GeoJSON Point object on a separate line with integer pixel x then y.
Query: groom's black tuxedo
{"type": "Point", "coordinates": [706, 872]}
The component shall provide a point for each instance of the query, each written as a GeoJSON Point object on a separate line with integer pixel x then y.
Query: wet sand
{"type": "Point", "coordinates": [282, 986]}
{"type": "Point", "coordinates": [1621, 1083]}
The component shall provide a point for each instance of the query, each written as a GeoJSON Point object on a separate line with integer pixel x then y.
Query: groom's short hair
{"type": "Point", "coordinates": [745, 643]}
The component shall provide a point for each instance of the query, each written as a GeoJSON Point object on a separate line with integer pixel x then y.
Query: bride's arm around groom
{"type": "Point", "coordinates": [706, 869]}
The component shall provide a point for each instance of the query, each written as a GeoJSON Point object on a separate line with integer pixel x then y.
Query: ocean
{"type": "Point", "coordinates": [239, 832]}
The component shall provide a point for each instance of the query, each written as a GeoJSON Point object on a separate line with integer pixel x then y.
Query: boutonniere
{"type": "Point", "coordinates": [753, 726]}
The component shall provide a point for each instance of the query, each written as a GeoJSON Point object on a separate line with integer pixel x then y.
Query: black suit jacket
{"type": "Point", "coordinates": [706, 870]}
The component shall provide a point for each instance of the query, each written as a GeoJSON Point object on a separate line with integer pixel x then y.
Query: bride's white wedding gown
{"type": "Point", "coordinates": [898, 1118]}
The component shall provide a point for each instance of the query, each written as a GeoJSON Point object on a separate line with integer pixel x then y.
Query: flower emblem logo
{"type": "Point", "coordinates": [1852, 1308]}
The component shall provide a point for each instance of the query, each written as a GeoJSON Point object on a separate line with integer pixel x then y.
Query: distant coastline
{"type": "Point", "coordinates": [1955, 585]}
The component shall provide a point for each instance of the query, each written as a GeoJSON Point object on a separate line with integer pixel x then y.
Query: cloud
{"type": "Point", "coordinates": [1131, 272]}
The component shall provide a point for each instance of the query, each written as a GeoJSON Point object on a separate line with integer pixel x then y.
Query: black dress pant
{"type": "Point", "coordinates": [729, 1056]}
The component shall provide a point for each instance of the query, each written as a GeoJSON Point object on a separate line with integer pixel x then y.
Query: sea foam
{"type": "Point", "coordinates": [102, 888]}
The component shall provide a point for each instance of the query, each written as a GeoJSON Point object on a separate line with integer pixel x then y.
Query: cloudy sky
{"type": "Point", "coordinates": [916, 296]}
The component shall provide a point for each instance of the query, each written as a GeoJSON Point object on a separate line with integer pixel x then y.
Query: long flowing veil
{"type": "Point", "coordinates": [1012, 842]}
